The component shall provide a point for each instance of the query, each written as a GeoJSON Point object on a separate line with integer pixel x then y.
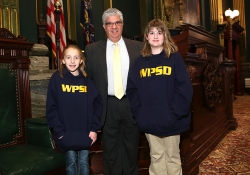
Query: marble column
{"type": "Point", "coordinates": [39, 78]}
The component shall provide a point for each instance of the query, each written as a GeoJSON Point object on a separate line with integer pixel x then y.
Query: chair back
{"type": "Point", "coordinates": [15, 103]}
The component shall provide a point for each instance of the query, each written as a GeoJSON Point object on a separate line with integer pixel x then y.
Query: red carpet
{"type": "Point", "coordinates": [232, 154]}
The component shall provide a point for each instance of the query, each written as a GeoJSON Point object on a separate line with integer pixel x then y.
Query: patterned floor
{"type": "Point", "coordinates": [232, 154]}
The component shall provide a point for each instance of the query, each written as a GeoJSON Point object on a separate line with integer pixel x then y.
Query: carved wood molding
{"type": "Point", "coordinates": [231, 75]}
{"type": "Point", "coordinates": [6, 34]}
{"type": "Point", "coordinates": [202, 52]}
{"type": "Point", "coordinates": [212, 83]}
{"type": "Point", "coordinates": [164, 10]}
{"type": "Point", "coordinates": [192, 71]}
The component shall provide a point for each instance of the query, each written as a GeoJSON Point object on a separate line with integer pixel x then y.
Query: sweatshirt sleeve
{"type": "Point", "coordinates": [52, 113]}
{"type": "Point", "coordinates": [132, 90]}
{"type": "Point", "coordinates": [183, 92]}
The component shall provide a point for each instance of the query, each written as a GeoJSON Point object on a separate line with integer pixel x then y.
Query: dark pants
{"type": "Point", "coordinates": [120, 139]}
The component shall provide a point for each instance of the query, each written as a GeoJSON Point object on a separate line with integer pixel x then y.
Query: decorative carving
{"type": "Point", "coordinates": [22, 38]}
{"type": "Point", "coordinates": [192, 71]}
{"type": "Point", "coordinates": [4, 33]}
{"type": "Point", "coordinates": [201, 51]}
{"type": "Point", "coordinates": [164, 10]}
{"type": "Point", "coordinates": [168, 9]}
{"type": "Point", "coordinates": [212, 83]}
{"type": "Point", "coordinates": [181, 7]}
{"type": "Point", "coordinates": [41, 29]}
{"type": "Point", "coordinates": [231, 74]}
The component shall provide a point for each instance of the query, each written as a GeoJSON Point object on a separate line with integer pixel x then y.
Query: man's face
{"type": "Point", "coordinates": [113, 28]}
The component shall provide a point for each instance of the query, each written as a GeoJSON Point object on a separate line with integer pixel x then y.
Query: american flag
{"type": "Point", "coordinates": [87, 22]}
{"type": "Point", "coordinates": [51, 27]}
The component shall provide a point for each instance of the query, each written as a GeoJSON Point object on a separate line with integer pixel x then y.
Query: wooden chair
{"type": "Point", "coordinates": [26, 144]}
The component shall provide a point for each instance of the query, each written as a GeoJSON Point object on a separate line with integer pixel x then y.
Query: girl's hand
{"type": "Point", "coordinates": [93, 136]}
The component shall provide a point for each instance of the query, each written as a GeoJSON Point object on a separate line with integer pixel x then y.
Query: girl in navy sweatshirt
{"type": "Point", "coordinates": [73, 110]}
{"type": "Point", "coordinates": [160, 93]}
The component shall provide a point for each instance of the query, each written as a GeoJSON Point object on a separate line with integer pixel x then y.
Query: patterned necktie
{"type": "Point", "coordinates": [118, 86]}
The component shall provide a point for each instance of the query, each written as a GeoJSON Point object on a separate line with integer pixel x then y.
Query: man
{"type": "Point", "coordinates": [120, 135]}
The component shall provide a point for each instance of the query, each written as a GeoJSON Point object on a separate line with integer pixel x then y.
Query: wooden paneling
{"type": "Point", "coordinates": [213, 84]}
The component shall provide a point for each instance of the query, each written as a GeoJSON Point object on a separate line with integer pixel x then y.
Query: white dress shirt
{"type": "Point", "coordinates": [124, 64]}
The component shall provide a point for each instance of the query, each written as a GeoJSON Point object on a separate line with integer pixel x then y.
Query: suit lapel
{"type": "Point", "coordinates": [102, 56]}
{"type": "Point", "coordinates": [131, 51]}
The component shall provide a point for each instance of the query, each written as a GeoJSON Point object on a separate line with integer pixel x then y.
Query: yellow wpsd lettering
{"type": "Point", "coordinates": [152, 70]}
{"type": "Point", "coordinates": [82, 88]}
{"type": "Point", "coordinates": [66, 88]}
{"type": "Point", "coordinates": [75, 88]}
{"type": "Point", "coordinates": [143, 72]}
{"type": "Point", "coordinates": [71, 88]}
{"type": "Point", "coordinates": [149, 73]}
{"type": "Point", "coordinates": [167, 70]}
{"type": "Point", "coordinates": [158, 70]}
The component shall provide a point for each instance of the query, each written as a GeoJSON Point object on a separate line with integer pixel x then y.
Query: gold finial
{"type": "Point", "coordinates": [57, 5]}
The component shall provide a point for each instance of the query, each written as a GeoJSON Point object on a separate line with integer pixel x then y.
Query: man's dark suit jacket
{"type": "Point", "coordinates": [96, 66]}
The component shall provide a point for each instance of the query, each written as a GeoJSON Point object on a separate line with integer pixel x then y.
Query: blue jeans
{"type": "Point", "coordinates": [77, 162]}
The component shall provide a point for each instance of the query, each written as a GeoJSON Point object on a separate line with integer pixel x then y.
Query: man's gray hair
{"type": "Point", "coordinates": [111, 12]}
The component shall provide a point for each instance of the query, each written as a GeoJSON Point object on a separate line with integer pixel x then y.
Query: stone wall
{"type": "Point", "coordinates": [39, 79]}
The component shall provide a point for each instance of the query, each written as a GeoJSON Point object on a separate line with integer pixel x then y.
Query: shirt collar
{"type": "Point", "coordinates": [120, 42]}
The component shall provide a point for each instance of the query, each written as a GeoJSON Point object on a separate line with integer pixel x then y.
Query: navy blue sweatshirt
{"type": "Point", "coordinates": [160, 93]}
{"type": "Point", "coordinates": [73, 109]}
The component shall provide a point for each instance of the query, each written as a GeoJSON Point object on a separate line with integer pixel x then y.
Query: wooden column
{"type": "Point", "coordinates": [232, 40]}
{"type": "Point", "coordinates": [58, 12]}
{"type": "Point", "coordinates": [230, 44]}
{"type": "Point", "coordinates": [41, 25]}
{"type": "Point", "coordinates": [229, 68]}
{"type": "Point", "coordinates": [238, 89]}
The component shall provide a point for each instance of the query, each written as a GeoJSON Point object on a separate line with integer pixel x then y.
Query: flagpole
{"type": "Point", "coordinates": [58, 6]}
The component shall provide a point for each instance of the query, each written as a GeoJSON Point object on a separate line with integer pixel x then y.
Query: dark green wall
{"type": "Point", "coordinates": [131, 13]}
{"type": "Point", "coordinates": [205, 14]}
{"type": "Point", "coordinates": [129, 8]}
{"type": "Point", "coordinates": [27, 13]}
{"type": "Point", "coordinates": [131, 16]}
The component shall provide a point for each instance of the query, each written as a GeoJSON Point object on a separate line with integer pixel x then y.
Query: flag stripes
{"type": "Point", "coordinates": [51, 27]}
